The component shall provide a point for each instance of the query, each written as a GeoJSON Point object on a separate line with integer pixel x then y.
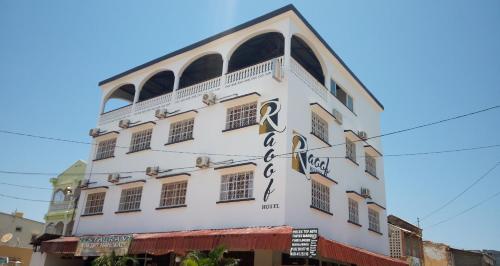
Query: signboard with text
{"type": "Point", "coordinates": [103, 245]}
{"type": "Point", "coordinates": [304, 243]}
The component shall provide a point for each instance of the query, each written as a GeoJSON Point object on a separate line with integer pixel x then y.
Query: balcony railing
{"type": "Point", "coordinates": [308, 79]}
{"type": "Point", "coordinates": [61, 206]}
{"type": "Point", "coordinates": [230, 79]}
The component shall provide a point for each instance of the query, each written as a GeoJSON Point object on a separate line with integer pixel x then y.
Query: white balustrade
{"type": "Point", "coordinates": [115, 115]}
{"type": "Point", "coordinates": [308, 79]}
{"type": "Point", "coordinates": [251, 72]}
{"type": "Point", "coordinates": [153, 103]}
{"type": "Point", "coordinates": [197, 89]}
{"type": "Point", "coordinates": [60, 206]}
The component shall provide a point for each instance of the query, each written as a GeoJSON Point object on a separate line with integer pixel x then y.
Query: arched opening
{"type": "Point", "coordinates": [256, 50]}
{"type": "Point", "coordinates": [202, 69]}
{"type": "Point", "coordinates": [159, 84]}
{"type": "Point", "coordinates": [121, 97]}
{"type": "Point", "coordinates": [305, 56]}
{"type": "Point", "coordinates": [59, 228]}
{"type": "Point", "coordinates": [58, 196]}
{"type": "Point", "coordinates": [50, 229]}
{"type": "Point", "coordinates": [69, 228]}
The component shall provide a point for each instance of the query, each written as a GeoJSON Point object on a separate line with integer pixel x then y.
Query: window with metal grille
{"type": "Point", "coordinates": [371, 165]}
{"type": "Point", "coordinates": [373, 220]}
{"type": "Point", "coordinates": [319, 127]}
{"type": "Point", "coordinates": [105, 149]}
{"type": "Point", "coordinates": [95, 202]}
{"type": "Point", "coordinates": [141, 140]}
{"type": "Point", "coordinates": [173, 194]}
{"type": "Point", "coordinates": [180, 131]}
{"type": "Point", "coordinates": [241, 115]}
{"type": "Point", "coordinates": [395, 245]}
{"type": "Point", "coordinates": [350, 148]}
{"type": "Point", "coordinates": [353, 211]}
{"type": "Point", "coordinates": [236, 186]}
{"type": "Point", "coordinates": [130, 199]}
{"type": "Point", "coordinates": [320, 196]}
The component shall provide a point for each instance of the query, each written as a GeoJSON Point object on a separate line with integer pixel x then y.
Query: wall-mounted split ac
{"type": "Point", "coordinates": [362, 135]}
{"type": "Point", "coordinates": [203, 162]}
{"type": "Point", "coordinates": [95, 132]}
{"type": "Point", "coordinates": [161, 113]}
{"type": "Point", "coordinates": [337, 115]}
{"type": "Point", "coordinates": [125, 123]}
{"type": "Point", "coordinates": [152, 170]}
{"type": "Point", "coordinates": [209, 98]}
{"type": "Point", "coordinates": [85, 183]}
{"type": "Point", "coordinates": [365, 192]}
{"type": "Point", "coordinates": [113, 178]}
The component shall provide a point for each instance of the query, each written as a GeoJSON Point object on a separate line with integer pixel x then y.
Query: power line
{"type": "Point", "coordinates": [466, 210]}
{"type": "Point", "coordinates": [24, 186]}
{"type": "Point", "coordinates": [462, 192]}
{"type": "Point", "coordinates": [25, 199]}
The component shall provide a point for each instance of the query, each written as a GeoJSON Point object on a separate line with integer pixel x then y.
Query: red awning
{"type": "Point", "coordinates": [253, 238]}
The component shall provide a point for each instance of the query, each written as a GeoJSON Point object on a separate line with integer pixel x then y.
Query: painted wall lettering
{"type": "Point", "coordinates": [268, 125]}
{"type": "Point", "coordinates": [305, 163]}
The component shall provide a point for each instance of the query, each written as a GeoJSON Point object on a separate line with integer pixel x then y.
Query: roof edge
{"type": "Point", "coordinates": [279, 11]}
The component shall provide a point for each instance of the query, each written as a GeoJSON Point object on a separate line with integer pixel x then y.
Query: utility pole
{"type": "Point", "coordinates": [418, 222]}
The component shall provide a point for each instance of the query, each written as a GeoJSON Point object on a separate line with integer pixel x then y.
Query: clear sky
{"type": "Point", "coordinates": [424, 60]}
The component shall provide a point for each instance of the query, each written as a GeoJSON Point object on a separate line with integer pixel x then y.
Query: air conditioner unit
{"type": "Point", "coordinates": [161, 113]}
{"type": "Point", "coordinates": [362, 135]}
{"type": "Point", "coordinates": [124, 123]}
{"type": "Point", "coordinates": [85, 183]}
{"type": "Point", "coordinates": [113, 178]}
{"type": "Point", "coordinates": [338, 115]}
{"type": "Point", "coordinates": [94, 132]}
{"type": "Point", "coordinates": [209, 98]}
{"type": "Point", "coordinates": [365, 192]}
{"type": "Point", "coordinates": [202, 161]}
{"type": "Point", "coordinates": [277, 70]}
{"type": "Point", "coordinates": [152, 170]}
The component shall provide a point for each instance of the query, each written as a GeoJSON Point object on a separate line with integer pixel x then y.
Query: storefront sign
{"type": "Point", "coordinates": [305, 163]}
{"type": "Point", "coordinates": [268, 125]}
{"type": "Point", "coordinates": [103, 245]}
{"type": "Point", "coordinates": [304, 243]}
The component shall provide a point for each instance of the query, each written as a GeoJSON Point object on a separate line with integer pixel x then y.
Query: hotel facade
{"type": "Point", "coordinates": [236, 140]}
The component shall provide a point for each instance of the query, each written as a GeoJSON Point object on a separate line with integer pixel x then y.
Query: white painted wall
{"type": "Point", "coordinates": [292, 190]}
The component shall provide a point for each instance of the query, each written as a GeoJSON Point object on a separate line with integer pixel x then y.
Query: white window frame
{"type": "Point", "coordinates": [353, 207]}
{"type": "Point", "coordinates": [141, 140]}
{"type": "Point", "coordinates": [320, 196]}
{"type": "Point", "coordinates": [373, 220]}
{"type": "Point", "coordinates": [370, 164]}
{"type": "Point", "coordinates": [181, 130]}
{"type": "Point", "coordinates": [350, 149]}
{"type": "Point", "coordinates": [236, 186]}
{"type": "Point", "coordinates": [105, 149]}
{"type": "Point", "coordinates": [94, 203]}
{"type": "Point", "coordinates": [130, 199]}
{"type": "Point", "coordinates": [319, 127]}
{"type": "Point", "coordinates": [173, 194]}
{"type": "Point", "coordinates": [241, 115]}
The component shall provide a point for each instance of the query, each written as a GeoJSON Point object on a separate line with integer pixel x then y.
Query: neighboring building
{"type": "Point", "coordinates": [437, 254]}
{"type": "Point", "coordinates": [181, 154]}
{"type": "Point", "coordinates": [16, 233]}
{"type": "Point", "coordinates": [495, 254]}
{"type": "Point", "coordinates": [405, 241]}
{"type": "Point", "coordinates": [66, 190]}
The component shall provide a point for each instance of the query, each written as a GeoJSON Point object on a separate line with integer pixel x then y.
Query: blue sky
{"type": "Point", "coordinates": [424, 60]}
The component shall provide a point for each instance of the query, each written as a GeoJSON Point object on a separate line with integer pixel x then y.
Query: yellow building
{"type": "Point", "coordinates": [16, 233]}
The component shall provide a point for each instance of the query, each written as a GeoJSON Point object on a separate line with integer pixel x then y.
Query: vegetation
{"type": "Point", "coordinates": [213, 258]}
{"type": "Point", "coordinates": [113, 260]}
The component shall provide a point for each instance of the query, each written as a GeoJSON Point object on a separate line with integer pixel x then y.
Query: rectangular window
{"type": "Point", "coordinates": [371, 165]}
{"type": "Point", "coordinates": [241, 115]}
{"type": "Point", "coordinates": [141, 140]}
{"type": "Point", "coordinates": [342, 96]}
{"type": "Point", "coordinates": [320, 196]}
{"type": "Point", "coordinates": [373, 219]}
{"type": "Point", "coordinates": [95, 202]}
{"type": "Point", "coordinates": [350, 148]}
{"type": "Point", "coordinates": [105, 149]}
{"type": "Point", "coordinates": [236, 186]}
{"type": "Point", "coordinates": [333, 87]}
{"type": "Point", "coordinates": [130, 199]}
{"type": "Point", "coordinates": [180, 131]}
{"type": "Point", "coordinates": [353, 211]}
{"type": "Point", "coordinates": [173, 194]}
{"type": "Point", "coordinates": [319, 127]}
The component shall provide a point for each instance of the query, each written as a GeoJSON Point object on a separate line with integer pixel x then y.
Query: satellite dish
{"type": "Point", "coordinates": [5, 238]}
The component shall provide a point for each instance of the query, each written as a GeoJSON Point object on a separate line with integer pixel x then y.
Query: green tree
{"type": "Point", "coordinates": [213, 258]}
{"type": "Point", "coordinates": [113, 260]}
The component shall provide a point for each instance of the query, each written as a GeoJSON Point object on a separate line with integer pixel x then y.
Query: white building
{"type": "Point", "coordinates": [262, 126]}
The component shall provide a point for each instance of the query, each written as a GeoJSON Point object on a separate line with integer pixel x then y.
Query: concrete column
{"type": "Point", "coordinates": [225, 63]}
{"type": "Point", "coordinates": [176, 86]}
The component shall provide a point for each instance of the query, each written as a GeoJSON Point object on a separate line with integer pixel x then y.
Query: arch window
{"type": "Point", "coordinates": [258, 49]}
{"type": "Point", "coordinates": [202, 69]}
{"type": "Point", "coordinates": [159, 84]}
{"type": "Point", "coordinates": [121, 97]}
{"type": "Point", "coordinates": [59, 228]}
{"type": "Point", "coordinates": [304, 55]}
{"type": "Point", "coordinates": [59, 196]}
